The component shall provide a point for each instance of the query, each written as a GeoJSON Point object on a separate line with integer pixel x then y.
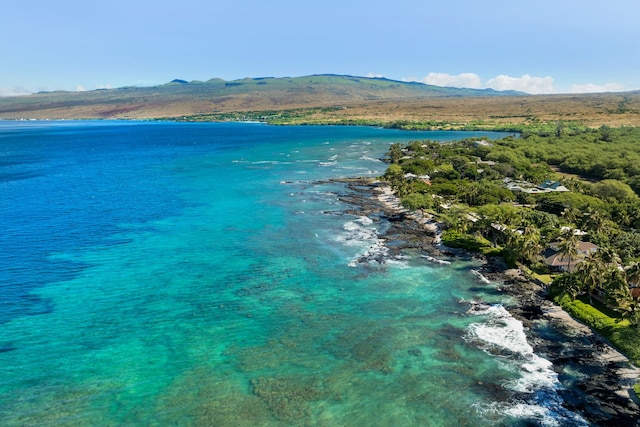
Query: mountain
{"type": "Point", "coordinates": [181, 98]}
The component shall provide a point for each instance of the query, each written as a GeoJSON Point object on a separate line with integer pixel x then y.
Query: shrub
{"type": "Point", "coordinates": [623, 336]}
{"type": "Point", "coordinates": [589, 315]}
{"type": "Point", "coordinates": [455, 239]}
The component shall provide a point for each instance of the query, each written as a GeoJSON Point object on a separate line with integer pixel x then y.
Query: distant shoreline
{"type": "Point", "coordinates": [330, 99]}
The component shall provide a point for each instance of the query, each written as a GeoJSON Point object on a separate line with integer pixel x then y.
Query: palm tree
{"type": "Point", "coordinates": [485, 226]}
{"type": "Point", "coordinates": [595, 221]}
{"type": "Point", "coordinates": [608, 257]}
{"type": "Point", "coordinates": [568, 284]}
{"type": "Point", "coordinates": [616, 286]}
{"type": "Point", "coordinates": [631, 311]}
{"type": "Point", "coordinates": [513, 246]}
{"type": "Point", "coordinates": [402, 187]}
{"type": "Point", "coordinates": [590, 274]}
{"type": "Point", "coordinates": [571, 214]}
{"type": "Point", "coordinates": [633, 273]}
{"type": "Point", "coordinates": [456, 218]}
{"type": "Point", "coordinates": [470, 193]}
{"type": "Point", "coordinates": [624, 219]}
{"type": "Point", "coordinates": [530, 248]}
{"type": "Point", "coordinates": [569, 247]}
{"type": "Point", "coordinates": [395, 152]}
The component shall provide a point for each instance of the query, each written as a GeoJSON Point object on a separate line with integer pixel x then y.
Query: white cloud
{"type": "Point", "coordinates": [526, 83]}
{"type": "Point", "coordinates": [593, 88]}
{"type": "Point", "coordinates": [469, 80]}
{"type": "Point", "coordinates": [13, 91]}
{"type": "Point", "coordinates": [375, 76]}
{"type": "Point", "coordinates": [80, 88]}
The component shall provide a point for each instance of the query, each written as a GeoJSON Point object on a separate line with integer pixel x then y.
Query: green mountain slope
{"type": "Point", "coordinates": [187, 98]}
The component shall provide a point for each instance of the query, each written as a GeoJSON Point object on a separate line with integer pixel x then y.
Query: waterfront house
{"type": "Point", "coordinates": [550, 185]}
{"type": "Point", "coordinates": [557, 260]}
{"type": "Point", "coordinates": [526, 187]}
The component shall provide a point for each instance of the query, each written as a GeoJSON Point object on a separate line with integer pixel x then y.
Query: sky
{"type": "Point", "coordinates": [536, 46]}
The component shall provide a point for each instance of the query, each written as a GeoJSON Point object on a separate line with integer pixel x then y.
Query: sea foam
{"type": "Point", "coordinates": [360, 233]}
{"type": "Point", "coordinates": [502, 335]}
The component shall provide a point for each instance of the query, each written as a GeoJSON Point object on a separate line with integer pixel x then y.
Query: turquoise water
{"type": "Point", "coordinates": [207, 274]}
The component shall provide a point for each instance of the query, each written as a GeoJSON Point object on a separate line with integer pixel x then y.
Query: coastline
{"type": "Point", "coordinates": [602, 392]}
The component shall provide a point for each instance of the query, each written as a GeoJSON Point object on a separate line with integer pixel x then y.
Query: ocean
{"type": "Point", "coordinates": [190, 274]}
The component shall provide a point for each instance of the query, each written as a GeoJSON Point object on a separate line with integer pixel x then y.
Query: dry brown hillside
{"type": "Point", "coordinates": [327, 99]}
{"type": "Point", "coordinates": [590, 109]}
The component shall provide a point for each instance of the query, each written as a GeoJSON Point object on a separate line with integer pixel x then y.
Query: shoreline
{"type": "Point", "coordinates": [603, 394]}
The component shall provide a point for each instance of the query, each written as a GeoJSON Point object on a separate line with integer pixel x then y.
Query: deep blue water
{"type": "Point", "coordinates": [208, 274]}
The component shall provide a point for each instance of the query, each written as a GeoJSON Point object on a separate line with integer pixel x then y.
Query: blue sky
{"type": "Point", "coordinates": [538, 46]}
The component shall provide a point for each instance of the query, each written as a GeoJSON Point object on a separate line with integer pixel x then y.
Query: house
{"type": "Point", "coordinates": [584, 248]}
{"type": "Point", "coordinates": [550, 185]}
{"type": "Point", "coordinates": [518, 186]}
{"type": "Point", "coordinates": [425, 178]}
{"type": "Point", "coordinates": [558, 261]}
{"type": "Point", "coordinates": [576, 231]}
{"type": "Point", "coordinates": [482, 143]}
{"type": "Point", "coordinates": [479, 161]}
{"type": "Point", "coordinates": [526, 187]}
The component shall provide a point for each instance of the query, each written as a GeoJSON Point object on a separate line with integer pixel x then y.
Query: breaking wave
{"type": "Point", "coordinates": [361, 234]}
{"type": "Point", "coordinates": [436, 260]}
{"type": "Point", "coordinates": [535, 391]}
{"type": "Point", "coordinates": [480, 276]}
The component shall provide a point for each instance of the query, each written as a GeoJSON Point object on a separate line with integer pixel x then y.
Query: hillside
{"type": "Point", "coordinates": [188, 98]}
{"type": "Point", "coordinates": [326, 99]}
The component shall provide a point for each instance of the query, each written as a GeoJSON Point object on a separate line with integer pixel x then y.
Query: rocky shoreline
{"type": "Point", "coordinates": [602, 393]}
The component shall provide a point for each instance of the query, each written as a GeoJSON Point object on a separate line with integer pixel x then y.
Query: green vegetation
{"type": "Point", "coordinates": [466, 185]}
{"type": "Point", "coordinates": [332, 116]}
{"type": "Point", "coordinates": [455, 239]}
{"type": "Point", "coordinates": [595, 154]}
{"type": "Point", "coordinates": [321, 116]}
{"type": "Point", "coordinates": [619, 332]}
{"type": "Point", "coordinates": [292, 116]}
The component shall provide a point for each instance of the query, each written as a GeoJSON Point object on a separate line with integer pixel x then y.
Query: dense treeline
{"type": "Point", "coordinates": [597, 154]}
{"type": "Point", "coordinates": [464, 183]}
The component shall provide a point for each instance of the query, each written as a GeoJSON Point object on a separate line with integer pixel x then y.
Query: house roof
{"type": "Point", "coordinates": [553, 186]}
{"type": "Point", "coordinates": [576, 231]}
{"type": "Point", "coordinates": [559, 260]}
{"type": "Point", "coordinates": [554, 258]}
{"type": "Point", "coordinates": [583, 247]}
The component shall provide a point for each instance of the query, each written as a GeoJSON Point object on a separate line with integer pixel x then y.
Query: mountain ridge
{"type": "Point", "coordinates": [327, 99]}
{"type": "Point", "coordinates": [181, 97]}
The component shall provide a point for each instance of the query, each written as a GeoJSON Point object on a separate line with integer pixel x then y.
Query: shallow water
{"type": "Point", "coordinates": [200, 274]}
